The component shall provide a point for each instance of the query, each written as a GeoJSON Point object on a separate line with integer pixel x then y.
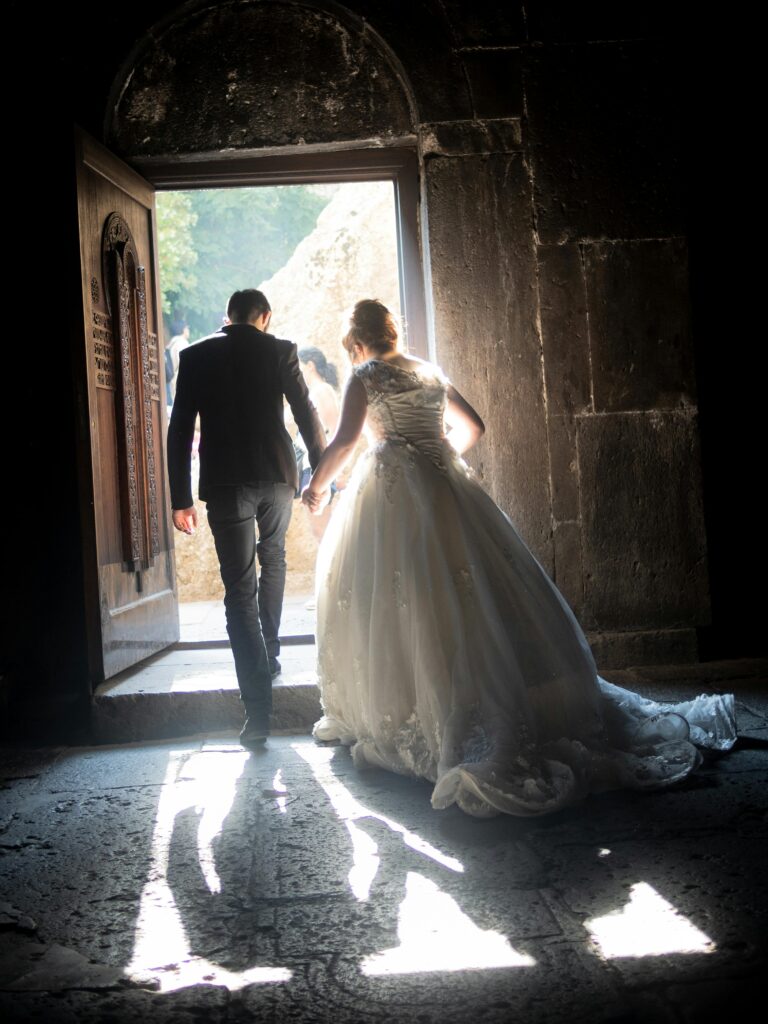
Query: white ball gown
{"type": "Point", "coordinates": [446, 652]}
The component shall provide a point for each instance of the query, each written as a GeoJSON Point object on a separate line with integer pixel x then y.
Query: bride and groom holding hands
{"type": "Point", "coordinates": [444, 649]}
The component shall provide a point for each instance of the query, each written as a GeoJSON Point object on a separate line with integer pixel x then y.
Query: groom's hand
{"type": "Point", "coordinates": [316, 500]}
{"type": "Point", "coordinates": [185, 519]}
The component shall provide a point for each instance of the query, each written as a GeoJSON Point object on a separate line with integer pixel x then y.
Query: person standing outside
{"type": "Point", "coordinates": [173, 349]}
{"type": "Point", "coordinates": [235, 380]}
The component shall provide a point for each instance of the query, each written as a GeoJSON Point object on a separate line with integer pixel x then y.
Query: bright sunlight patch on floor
{"type": "Point", "coordinates": [435, 934]}
{"type": "Point", "coordinates": [647, 926]}
{"type": "Point", "coordinates": [207, 782]}
{"type": "Point", "coordinates": [279, 790]}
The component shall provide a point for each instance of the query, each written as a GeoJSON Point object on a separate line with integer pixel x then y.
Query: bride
{"type": "Point", "coordinates": [444, 649]}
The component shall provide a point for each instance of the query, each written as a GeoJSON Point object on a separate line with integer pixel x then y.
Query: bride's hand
{"type": "Point", "coordinates": [315, 500]}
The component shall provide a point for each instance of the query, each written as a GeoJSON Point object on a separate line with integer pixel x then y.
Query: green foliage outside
{"type": "Point", "coordinates": [214, 241]}
{"type": "Point", "coordinates": [176, 221]}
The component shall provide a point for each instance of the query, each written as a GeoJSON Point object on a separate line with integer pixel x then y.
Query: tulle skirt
{"type": "Point", "coordinates": [446, 652]}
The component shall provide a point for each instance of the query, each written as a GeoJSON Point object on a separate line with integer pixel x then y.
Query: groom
{"type": "Point", "coordinates": [235, 380]}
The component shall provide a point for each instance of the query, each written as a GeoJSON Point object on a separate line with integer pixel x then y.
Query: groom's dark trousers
{"type": "Point", "coordinates": [253, 606]}
{"type": "Point", "coordinates": [235, 381]}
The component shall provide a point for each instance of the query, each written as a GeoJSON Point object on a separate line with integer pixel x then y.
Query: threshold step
{"type": "Point", "coordinates": [185, 692]}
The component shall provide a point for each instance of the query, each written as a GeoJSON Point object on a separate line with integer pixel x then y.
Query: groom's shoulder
{"type": "Point", "coordinates": [282, 345]}
{"type": "Point", "coordinates": [285, 342]}
{"type": "Point", "coordinates": [205, 344]}
{"type": "Point", "coordinates": [199, 350]}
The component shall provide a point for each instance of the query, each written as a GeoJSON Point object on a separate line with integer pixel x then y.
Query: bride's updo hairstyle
{"type": "Point", "coordinates": [373, 326]}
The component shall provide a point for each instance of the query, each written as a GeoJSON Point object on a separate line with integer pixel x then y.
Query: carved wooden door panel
{"type": "Point", "coordinates": [130, 575]}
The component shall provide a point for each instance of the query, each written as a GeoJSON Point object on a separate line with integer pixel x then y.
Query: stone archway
{"type": "Point", "coordinates": [260, 74]}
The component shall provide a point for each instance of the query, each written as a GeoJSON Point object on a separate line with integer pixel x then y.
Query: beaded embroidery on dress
{"type": "Point", "coordinates": [446, 652]}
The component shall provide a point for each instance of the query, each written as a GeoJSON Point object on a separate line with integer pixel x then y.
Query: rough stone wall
{"type": "Point", "coordinates": [484, 287]}
{"type": "Point", "coordinates": [559, 265]}
{"type": "Point", "coordinates": [624, 440]}
{"type": "Point", "coordinates": [553, 180]}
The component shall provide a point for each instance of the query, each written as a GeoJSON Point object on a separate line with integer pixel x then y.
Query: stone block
{"type": "Point", "coordinates": [564, 468]}
{"type": "Point", "coordinates": [138, 716]}
{"type": "Point", "coordinates": [422, 40]}
{"type": "Point", "coordinates": [560, 21]}
{"type": "Point", "coordinates": [296, 706]}
{"type": "Point", "coordinates": [134, 717]}
{"type": "Point", "coordinates": [495, 81]}
{"type": "Point", "coordinates": [639, 324]}
{"type": "Point", "coordinates": [643, 540]}
{"type": "Point", "coordinates": [605, 129]}
{"type": "Point", "coordinates": [647, 647]}
{"type": "Point", "coordinates": [483, 282]}
{"type": "Point", "coordinates": [564, 331]}
{"type": "Point", "coordinates": [470, 138]}
{"type": "Point", "coordinates": [486, 22]}
{"type": "Point", "coordinates": [568, 568]}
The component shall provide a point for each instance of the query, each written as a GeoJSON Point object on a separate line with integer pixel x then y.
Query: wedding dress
{"type": "Point", "coordinates": [446, 652]}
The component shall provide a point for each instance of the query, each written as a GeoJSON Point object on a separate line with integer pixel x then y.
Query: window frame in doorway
{"type": "Point", "coordinates": [396, 164]}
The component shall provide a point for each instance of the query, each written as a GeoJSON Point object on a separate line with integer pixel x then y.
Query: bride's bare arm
{"type": "Point", "coordinates": [351, 419]}
{"type": "Point", "coordinates": [466, 426]}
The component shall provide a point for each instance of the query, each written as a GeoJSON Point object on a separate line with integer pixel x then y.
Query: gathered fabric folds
{"type": "Point", "coordinates": [446, 652]}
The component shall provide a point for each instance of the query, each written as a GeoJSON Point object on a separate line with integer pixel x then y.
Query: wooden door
{"type": "Point", "coordinates": [129, 564]}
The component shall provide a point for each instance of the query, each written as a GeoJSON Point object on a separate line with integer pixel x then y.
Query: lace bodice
{"type": "Point", "coordinates": [405, 406]}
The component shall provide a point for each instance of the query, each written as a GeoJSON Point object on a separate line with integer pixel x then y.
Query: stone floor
{"type": "Point", "coordinates": [205, 620]}
{"type": "Point", "coordinates": [189, 880]}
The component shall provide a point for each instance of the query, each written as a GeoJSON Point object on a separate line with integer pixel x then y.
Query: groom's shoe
{"type": "Point", "coordinates": [255, 730]}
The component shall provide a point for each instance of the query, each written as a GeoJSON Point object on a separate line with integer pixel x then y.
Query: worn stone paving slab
{"type": "Point", "coordinates": [651, 884]}
{"type": "Point", "coordinates": [555, 986]}
{"type": "Point", "coordinates": [291, 862]}
{"type": "Point", "coordinates": [188, 669]}
{"type": "Point", "coordinates": [186, 656]}
{"type": "Point", "coordinates": [30, 967]}
{"type": "Point", "coordinates": [79, 873]}
{"type": "Point", "coordinates": [23, 763]}
{"type": "Point", "coordinates": [712, 1001]}
{"type": "Point", "coordinates": [205, 1002]}
{"type": "Point", "coordinates": [176, 677]}
{"type": "Point", "coordinates": [338, 926]}
{"type": "Point", "coordinates": [105, 767]}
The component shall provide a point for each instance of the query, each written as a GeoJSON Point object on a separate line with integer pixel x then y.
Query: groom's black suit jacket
{"type": "Point", "coordinates": [235, 379]}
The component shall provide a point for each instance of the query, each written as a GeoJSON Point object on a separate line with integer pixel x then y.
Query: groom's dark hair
{"type": "Point", "coordinates": [247, 305]}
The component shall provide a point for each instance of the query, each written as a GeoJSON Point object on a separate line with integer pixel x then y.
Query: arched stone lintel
{"type": "Point", "coordinates": [186, 89]}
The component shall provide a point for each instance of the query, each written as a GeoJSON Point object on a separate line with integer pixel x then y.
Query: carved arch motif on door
{"type": "Point", "coordinates": [124, 346]}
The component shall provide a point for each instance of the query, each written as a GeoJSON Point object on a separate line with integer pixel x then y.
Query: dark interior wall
{"type": "Point", "coordinates": [43, 654]}
{"type": "Point", "coordinates": [574, 289]}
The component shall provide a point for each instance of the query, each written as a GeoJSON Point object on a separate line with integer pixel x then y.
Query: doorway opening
{"type": "Point", "coordinates": [315, 234]}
